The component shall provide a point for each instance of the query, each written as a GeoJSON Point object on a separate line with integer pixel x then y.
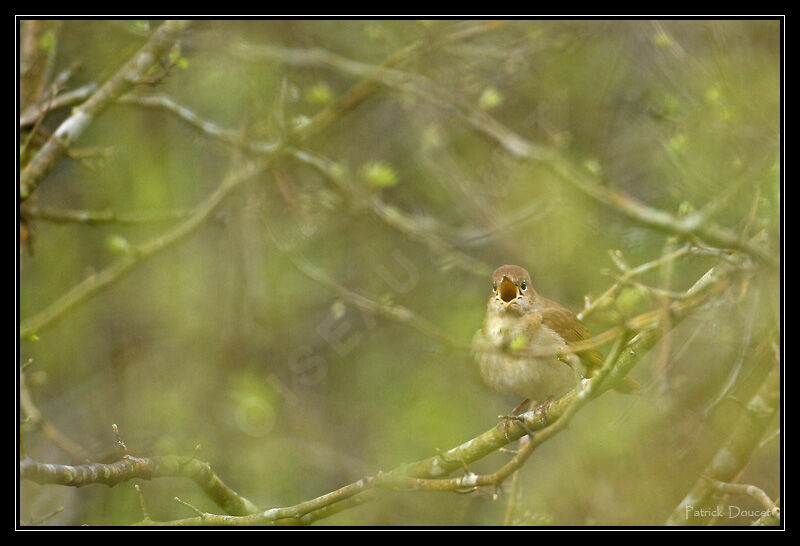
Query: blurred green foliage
{"type": "Point", "coordinates": [290, 389]}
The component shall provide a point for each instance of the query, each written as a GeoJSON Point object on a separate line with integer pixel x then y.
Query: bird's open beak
{"type": "Point", "coordinates": [507, 291]}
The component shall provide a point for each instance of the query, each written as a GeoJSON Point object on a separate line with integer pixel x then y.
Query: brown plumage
{"type": "Point", "coordinates": [567, 325]}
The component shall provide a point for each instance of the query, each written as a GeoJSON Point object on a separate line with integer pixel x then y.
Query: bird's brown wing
{"type": "Point", "coordinates": [566, 324]}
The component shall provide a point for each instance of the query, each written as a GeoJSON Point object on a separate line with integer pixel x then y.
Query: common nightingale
{"type": "Point", "coordinates": [523, 346]}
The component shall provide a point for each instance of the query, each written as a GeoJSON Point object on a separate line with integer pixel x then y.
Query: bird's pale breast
{"type": "Point", "coordinates": [502, 349]}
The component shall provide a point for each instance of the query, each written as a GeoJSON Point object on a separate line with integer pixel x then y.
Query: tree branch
{"type": "Point", "coordinates": [210, 128]}
{"type": "Point", "coordinates": [744, 489]}
{"type": "Point", "coordinates": [697, 223]}
{"type": "Point", "coordinates": [692, 224]}
{"type": "Point", "coordinates": [36, 418]}
{"type": "Point", "coordinates": [108, 216]}
{"type": "Point", "coordinates": [129, 468]}
{"type": "Point", "coordinates": [734, 455]}
{"type": "Point", "coordinates": [91, 286]}
{"type": "Point", "coordinates": [42, 108]}
{"type": "Point", "coordinates": [391, 216]}
{"type": "Point", "coordinates": [131, 73]}
{"type": "Point", "coordinates": [37, 52]}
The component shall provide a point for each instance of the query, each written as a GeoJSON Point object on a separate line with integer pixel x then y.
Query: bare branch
{"type": "Point", "coordinates": [40, 109]}
{"type": "Point", "coordinates": [50, 431]}
{"type": "Point", "coordinates": [696, 223]}
{"type": "Point", "coordinates": [93, 285]}
{"type": "Point", "coordinates": [391, 311]}
{"type": "Point", "coordinates": [734, 455]}
{"type": "Point", "coordinates": [743, 489]}
{"type": "Point", "coordinates": [391, 216]}
{"type": "Point", "coordinates": [92, 217]}
{"type": "Point", "coordinates": [142, 504]}
{"type": "Point", "coordinates": [692, 224]}
{"type": "Point", "coordinates": [96, 283]}
{"type": "Point", "coordinates": [37, 53]}
{"type": "Point", "coordinates": [210, 128]}
{"type": "Point", "coordinates": [609, 294]}
{"type": "Point", "coordinates": [129, 468]}
{"type": "Point", "coordinates": [130, 73]}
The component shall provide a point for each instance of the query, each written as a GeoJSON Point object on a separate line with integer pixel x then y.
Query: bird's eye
{"type": "Point", "coordinates": [494, 287]}
{"type": "Point", "coordinates": [523, 286]}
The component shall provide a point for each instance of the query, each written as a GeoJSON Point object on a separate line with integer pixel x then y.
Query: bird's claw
{"type": "Point", "coordinates": [518, 418]}
{"type": "Point", "coordinates": [544, 409]}
{"type": "Point", "coordinates": [514, 417]}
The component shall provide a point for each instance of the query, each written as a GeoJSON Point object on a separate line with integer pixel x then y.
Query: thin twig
{"type": "Point", "coordinates": [210, 128]}
{"type": "Point", "coordinates": [394, 312]}
{"type": "Point", "coordinates": [35, 417]}
{"type": "Point", "coordinates": [108, 216]}
{"type": "Point", "coordinates": [68, 98]}
{"type": "Point", "coordinates": [736, 369]}
{"type": "Point", "coordinates": [743, 489]}
{"type": "Point", "coordinates": [142, 505]}
{"type": "Point", "coordinates": [127, 76]}
{"type": "Point", "coordinates": [696, 223]}
{"type": "Point", "coordinates": [93, 285]}
{"type": "Point", "coordinates": [392, 216]}
{"type": "Point", "coordinates": [40, 520]}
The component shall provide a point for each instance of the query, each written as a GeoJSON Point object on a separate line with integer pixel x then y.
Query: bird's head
{"type": "Point", "coordinates": [511, 290]}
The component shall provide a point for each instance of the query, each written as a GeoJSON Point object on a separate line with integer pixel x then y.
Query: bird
{"type": "Point", "coordinates": [523, 344]}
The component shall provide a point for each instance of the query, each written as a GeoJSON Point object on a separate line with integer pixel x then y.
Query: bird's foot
{"type": "Point", "coordinates": [543, 409]}
{"type": "Point", "coordinates": [506, 419]}
{"type": "Point", "coordinates": [515, 416]}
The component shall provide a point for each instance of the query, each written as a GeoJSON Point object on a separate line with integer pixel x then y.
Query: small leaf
{"type": "Point", "coordinates": [320, 93]}
{"type": "Point", "coordinates": [118, 244]}
{"type": "Point", "coordinates": [490, 99]}
{"type": "Point", "coordinates": [177, 59]}
{"type": "Point", "coordinates": [379, 174]}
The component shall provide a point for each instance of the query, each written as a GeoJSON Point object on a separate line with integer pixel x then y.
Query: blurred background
{"type": "Point", "coordinates": [247, 338]}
